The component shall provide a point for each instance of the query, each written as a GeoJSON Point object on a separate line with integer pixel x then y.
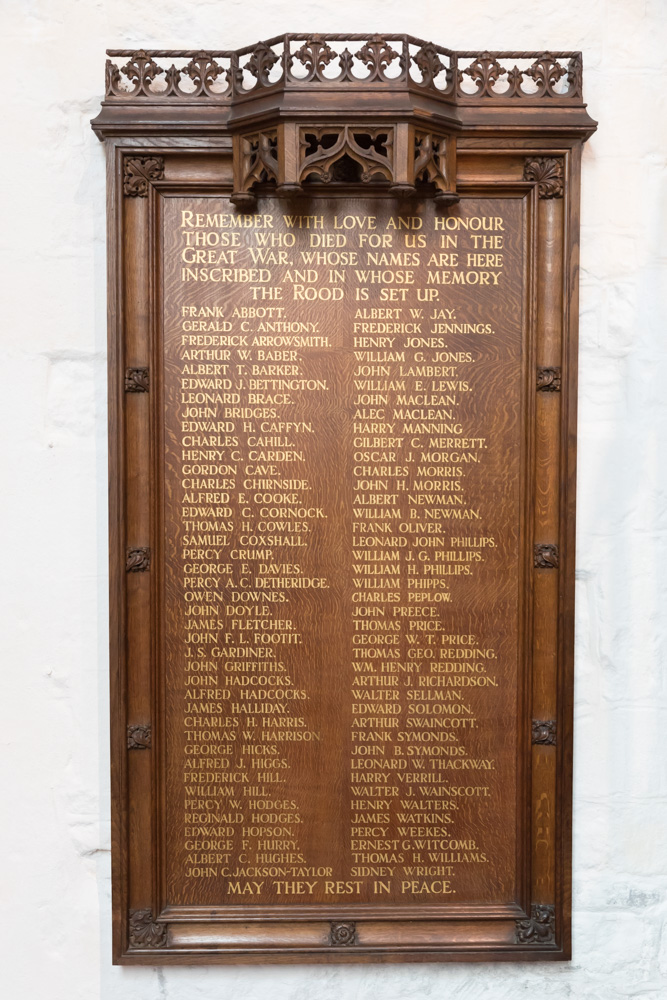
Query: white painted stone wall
{"type": "Point", "coordinates": [54, 731]}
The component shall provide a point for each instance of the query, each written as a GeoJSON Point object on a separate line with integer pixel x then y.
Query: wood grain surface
{"type": "Point", "coordinates": [402, 433]}
{"type": "Point", "coordinates": [342, 479]}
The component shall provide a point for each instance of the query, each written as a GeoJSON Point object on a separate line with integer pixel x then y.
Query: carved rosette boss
{"type": "Point", "coordinates": [343, 934]}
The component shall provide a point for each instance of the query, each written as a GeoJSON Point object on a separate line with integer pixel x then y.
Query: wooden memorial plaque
{"type": "Point", "coordinates": [342, 389]}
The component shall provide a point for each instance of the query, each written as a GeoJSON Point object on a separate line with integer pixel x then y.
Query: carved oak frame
{"type": "Point", "coordinates": [244, 143]}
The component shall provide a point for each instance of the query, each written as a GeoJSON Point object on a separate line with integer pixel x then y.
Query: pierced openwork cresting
{"type": "Point", "coordinates": [276, 145]}
{"type": "Point", "coordinates": [293, 61]}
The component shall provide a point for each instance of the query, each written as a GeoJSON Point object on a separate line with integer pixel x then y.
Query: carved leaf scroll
{"type": "Point", "coordinates": [138, 560]}
{"type": "Point", "coordinates": [428, 63]}
{"type": "Point", "coordinates": [139, 172]}
{"type": "Point", "coordinates": [546, 556]}
{"type": "Point", "coordinates": [145, 932]}
{"type": "Point", "coordinates": [545, 72]}
{"type": "Point", "coordinates": [136, 380]}
{"type": "Point", "coordinates": [141, 70]}
{"type": "Point", "coordinates": [112, 80]}
{"type": "Point", "coordinates": [514, 81]}
{"type": "Point", "coordinates": [173, 78]}
{"type": "Point", "coordinates": [547, 173]}
{"type": "Point", "coordinates": [346, 62]}
{"type": "Point", "coordinates": [544, 732]}
{"type": "Point", "coordinates": [376, 55]}
{"type": "Point", "coordinates": [574, 76]}
{"type": "Point", "coordinates": [548, 379]}
{"type": "Point", "coordinates": [138, 737]}
{"type": "Point", "coordinates": [315, 55]}
{"type": "Point", "coordinates": [261, 62]}
{"type": "Point", "coordinates": [203, 71]}
{"type": "Point", "coordinates": [539, 928]}
{"type": "Point", "coordinates": [485, 71]}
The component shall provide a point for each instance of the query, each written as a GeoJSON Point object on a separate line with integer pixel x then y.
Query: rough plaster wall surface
{"type": "Point", "coordinates": [54, 843]}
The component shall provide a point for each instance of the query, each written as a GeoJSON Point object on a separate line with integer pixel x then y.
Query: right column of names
{"type": "Point", "coordinates": [435, 469]}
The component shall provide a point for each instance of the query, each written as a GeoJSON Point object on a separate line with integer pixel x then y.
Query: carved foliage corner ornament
{"type": "Point", "coordinates": [544, 732]}
{"type": "Point", "coordinates": [138, 737]}
{"type": "Point", "coordinates": [145, 932]}
{"type": "Point", "coordinates": [343, 934]}
{"type": "Point", "coordinates": [138, 560]}
{"type": "Point", "coordinates": [136, 380]}
{"type": "Point", "coordinates": [539, 928]}
{"type": "Point", "coordinates": [139, 172]}
{"type": "Point", "coordinates": [548, 379]}
{"type": "Point", "coordinates": [547, 173]}
{"type": "Point", "coordinates": [546, 556]}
